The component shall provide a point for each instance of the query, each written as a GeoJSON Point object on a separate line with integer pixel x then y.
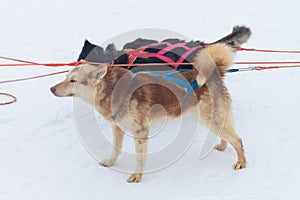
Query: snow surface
{"type": "Point", "coordinates": [41, 154]}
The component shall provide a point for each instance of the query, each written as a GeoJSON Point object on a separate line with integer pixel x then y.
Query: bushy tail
{"type": "Point", "coordinates": [239, 36]}
{"type": "Point", "coordinates": [213, 57]}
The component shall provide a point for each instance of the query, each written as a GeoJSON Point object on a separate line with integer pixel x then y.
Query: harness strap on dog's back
{"type": "Point", "coordinates": [169, 76]}
{"type": "Point", "coordinates": [140, 52]}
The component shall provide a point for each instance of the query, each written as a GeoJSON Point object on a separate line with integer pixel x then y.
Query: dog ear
{"type": "Point", "coordinates": [96, 75]}
{"type": "Point", "coordinates": [111, 48]}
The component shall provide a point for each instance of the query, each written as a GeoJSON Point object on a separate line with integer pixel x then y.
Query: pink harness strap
{"type": "Point", "coordinates": [185, 55]}
{"type": "Point", "coordinates": [134, 54]}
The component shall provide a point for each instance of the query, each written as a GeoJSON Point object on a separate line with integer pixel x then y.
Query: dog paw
{"type": "Point", "coordinates": [220, 147]}
{"type": "Point", "coordinates": [107, 162]}
{"type": "Point", "coordinates": [239, 165]}
{"type": "Point", "coordinates": [135, 178]}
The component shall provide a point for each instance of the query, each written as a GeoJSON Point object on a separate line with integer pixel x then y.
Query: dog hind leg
{"type": "Point", "coordinates": [218, 117]}
{"type": "Point", "coordinates": [228, 134]}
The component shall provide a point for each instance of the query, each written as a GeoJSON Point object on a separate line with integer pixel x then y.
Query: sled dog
{"type": "Point", "coordinates": [125, 99]}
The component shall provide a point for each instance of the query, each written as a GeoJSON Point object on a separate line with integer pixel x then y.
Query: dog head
{"type": "Point", "coordinates": [81, 82]}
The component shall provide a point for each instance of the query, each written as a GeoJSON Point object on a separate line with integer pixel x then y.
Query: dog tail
{"type": "Point", "coordinates": [213, 58]}
{"type": "Point", "coordinates": [239, 36]}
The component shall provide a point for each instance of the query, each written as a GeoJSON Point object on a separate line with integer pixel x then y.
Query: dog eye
{"type": "Point", "coordinates": [73, 81]}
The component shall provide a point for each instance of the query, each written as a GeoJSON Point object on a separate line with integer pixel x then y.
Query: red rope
{"type": "Point", "coordinates": [61, 72]}
{"type": "Point", "coordinates": [275, 67]}
{"type": "Point", "coordinates": [33, 77]}
{"type": "Point", "coordinates": [191, 63]}
{"type": "Point", "coordinates": [266, 63]}
{"type": "Point", "coordinates": [267, 50]}
{"type": "Point", "coordinates": [17, 60]}
{"type": "Point", "coordinates": [72, 64]}
{"type": "Point", "coordinates": [77, 63]}
{"type": "Point", "coordinates": [144, 64]}
{"type": "Point", "coordinates": [27, 63]}
{"type": "Point", "coordinates": [14, 99]}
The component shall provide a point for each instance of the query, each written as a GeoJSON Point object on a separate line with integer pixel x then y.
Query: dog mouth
{"type": "Point", "coordinates": [64, 95]}
{"type": "Point", "coordinates": [56, 93]}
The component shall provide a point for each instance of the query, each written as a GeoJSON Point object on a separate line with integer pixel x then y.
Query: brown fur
{"type": "Point", "coordinates": [126, 101]}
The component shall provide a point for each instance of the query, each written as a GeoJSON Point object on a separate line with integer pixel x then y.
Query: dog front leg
{"type": "Point", "coordinates": [141, 145]}
{"type": "Point", "coordinates": [117, 146]}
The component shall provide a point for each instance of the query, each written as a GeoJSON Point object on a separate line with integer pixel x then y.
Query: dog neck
{"type": "Point", "coordinates": [111, 91]}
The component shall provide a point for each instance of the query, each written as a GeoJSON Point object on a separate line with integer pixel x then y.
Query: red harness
{"type": "Point", "coordinates": [142, 53]}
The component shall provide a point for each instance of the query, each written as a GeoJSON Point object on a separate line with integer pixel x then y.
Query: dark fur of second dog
{"type": "Point", "coordinates": [93, 53]}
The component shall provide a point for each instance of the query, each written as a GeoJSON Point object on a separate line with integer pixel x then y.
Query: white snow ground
{"type": "Point", "coordinates": [41, 156]}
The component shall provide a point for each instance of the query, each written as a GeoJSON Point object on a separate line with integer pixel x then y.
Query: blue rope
{"type": "Point", "coordinates": [192, 87]}
{"type": "Point", "coordinates": [245, 69]}
{"type": "Point", "coordinates": [232, 70]}
{"type": "Point", "coordinates": [114, 116]}
{"type": "Point", "coordinates": [169, 76]}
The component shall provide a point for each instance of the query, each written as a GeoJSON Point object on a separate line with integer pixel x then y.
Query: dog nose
{"type": "Point", "coordinates": [53, 89]}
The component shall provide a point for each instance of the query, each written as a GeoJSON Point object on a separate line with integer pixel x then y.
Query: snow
{"type": "Point", "coordinates": [42, 155]}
